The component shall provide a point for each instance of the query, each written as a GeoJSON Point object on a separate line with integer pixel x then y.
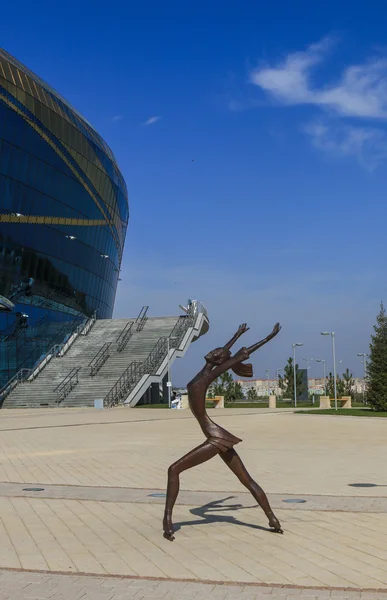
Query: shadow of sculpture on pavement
{"type": "Point", "coordinates": [210, 513]}
{"type": "Point", "coordinates": [219, 440]}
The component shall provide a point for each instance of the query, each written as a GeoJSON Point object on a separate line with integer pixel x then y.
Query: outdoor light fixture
{"type": "Point", "coordinates": [364, 361]}
{"type": "Point", "coordinates": [277, 372]}
{"type": "Point", "coordinates": [332, 334]}
{"type": "Point", "coordinates": [308, 360]}
{"type": "Point", "coordinates": [322, 360]}
{"type": "Point", "coordinates": [294, 371]}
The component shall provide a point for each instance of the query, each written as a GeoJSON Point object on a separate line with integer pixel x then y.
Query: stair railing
{"type": "Point", "coordinates": [119, 390]}
{"type": "Point", "coordinates": [67, 384]}
{"type": "Point", "coordinates": [82, 329]}
{"type": "Point", "coordinates": [128, 330]}
{"type": "Point", "coordinates": [132, 375]}
{"type": "Point", "coordinates": [124, 336]}
{"type": "Point", "coordinates": [99, 359]}
{"type": "Point", "coordinates": [136, 370]}
{"type": "Point", "coordinates": [89, 323]}
{"type": "Point", "coordinates": [20, 377]}
{"type": "Point", "coordinates": [142, 318]}
{"type": "Point", "coordinates": [57, 350]}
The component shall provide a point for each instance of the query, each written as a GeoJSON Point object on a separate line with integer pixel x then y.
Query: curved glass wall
{"type": "Point", "coordinates": [63, 212]}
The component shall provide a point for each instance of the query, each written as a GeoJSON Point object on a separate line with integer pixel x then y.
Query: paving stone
{"type": "Point", "coordinates": [96, 513]}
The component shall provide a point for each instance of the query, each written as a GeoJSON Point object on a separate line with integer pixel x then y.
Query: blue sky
{"type": "Point", "coordinates": [253, 140]}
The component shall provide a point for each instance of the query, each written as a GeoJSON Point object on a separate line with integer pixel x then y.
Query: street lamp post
{"type": "Point", "coordinates": [365, 372]}
{"type": "Point", "coordinates": [332, 334]}
{"type": "Point", "coordinates": [322, 360]}
{"type": "Point", "coordinates": [267, 378]}
{"type": "Point", "coordinates": [277, 377]}
{"type": "Point", "coordinates": [169, 382]}
{"type": "Point", "coordinates": [308, 360]}
{"type": "Point", "coordinates": [294, 372]}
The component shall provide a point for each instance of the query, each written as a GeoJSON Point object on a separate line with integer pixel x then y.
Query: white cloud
{"type": "Point", "coordinates": [151, 121]}
{"type": "Point", "coordinates": [360, 93]}
{"type": "Point", "coordinates": [361, 90]}
{"type": "Point", "coordinates": [117, 118]}
{"type": "Point", "coordinates": [288, 81]}
{"type": "Point", "coordinates": [367, 144]}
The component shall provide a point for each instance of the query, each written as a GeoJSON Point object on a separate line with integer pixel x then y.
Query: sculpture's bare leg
{"type": "Point", "coordinates": [234, 462]}
{"type": "Point", "coordinates": [196, 457]}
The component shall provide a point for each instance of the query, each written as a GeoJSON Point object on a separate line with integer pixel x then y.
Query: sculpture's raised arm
{"type": "Point", "coordinates": [241, 330]}
{"type": "Point", "coordinates": [243, 353]}
{"type": "Point", "coordinates": [254, 347]}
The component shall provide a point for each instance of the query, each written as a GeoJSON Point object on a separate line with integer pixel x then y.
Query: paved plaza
{"type": "Point", "coordinates": [81, 505]}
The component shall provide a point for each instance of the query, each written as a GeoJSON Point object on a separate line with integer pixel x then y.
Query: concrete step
{"type": "Point", "coordinates": [42, 390]}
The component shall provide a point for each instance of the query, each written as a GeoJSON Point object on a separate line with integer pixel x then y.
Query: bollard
{"type": "Point", "coordinates": [184, 401]}
{"type": "Point", "coordinates": [272, 402]}
{"type": "Point", "coordinates": [219, 402]}
{"type": "Point", "coordinates": [325, 402]}
{"type": "Point", "coordinates": [98, 403]}
{"type": "Point", "coordinates": [346, 402]}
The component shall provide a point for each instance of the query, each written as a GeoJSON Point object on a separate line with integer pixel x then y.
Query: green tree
{"type": "Point", "coordinates": [340, 386]}
{"type": "Point", "coordinates": [330, 386]}
{"type": "Point", "coordinates": [286, 382]}
{"type": "Point", "coordinates": [377, 365]}
{"type": "Point", "coordinates": [348, 383]}
{"type": "Point", "coordinates": [233, 392]}
{"type": "Point", "coordinates": [225, 386]}
{"type": "Point", "coordinates": [220, 385]}
{"type": "Point", "coordinates": [252, 395]}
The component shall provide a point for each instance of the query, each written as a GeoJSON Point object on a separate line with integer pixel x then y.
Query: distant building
{"type": "Point", "coordinates": [316, 386]}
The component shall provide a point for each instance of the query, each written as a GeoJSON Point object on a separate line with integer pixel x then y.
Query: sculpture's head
{"type": "Point", "coordinates": [218, 356]}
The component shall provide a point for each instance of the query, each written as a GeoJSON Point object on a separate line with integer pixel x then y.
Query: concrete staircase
{"type": "Point", "coordinates": [40, 392]}
{"type": "Point", "coordinates": [28, 347]}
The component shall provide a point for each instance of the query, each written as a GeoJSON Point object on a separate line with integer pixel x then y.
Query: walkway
{"type": "Point", "coordinates": [91, 527]}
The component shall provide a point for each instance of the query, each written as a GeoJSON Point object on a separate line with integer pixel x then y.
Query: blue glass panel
{"type": "Point", "coordinates": [55, 274]}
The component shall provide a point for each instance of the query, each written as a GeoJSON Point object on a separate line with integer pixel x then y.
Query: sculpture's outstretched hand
{"type": "Point", "coordinates": [242, 329]}
{"type": "Point", "coordinates": [276, 329]}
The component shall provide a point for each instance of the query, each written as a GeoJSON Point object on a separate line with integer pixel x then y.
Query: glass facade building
{"type": "Point", "coordinates": [63, 218]}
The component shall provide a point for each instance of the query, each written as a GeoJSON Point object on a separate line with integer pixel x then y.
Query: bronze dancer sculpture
{"type": "Point", "coordinates": [219, 441]}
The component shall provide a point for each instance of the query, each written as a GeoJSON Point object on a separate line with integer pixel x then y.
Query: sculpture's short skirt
{"type": "Point", "coordinates": [224, 443]}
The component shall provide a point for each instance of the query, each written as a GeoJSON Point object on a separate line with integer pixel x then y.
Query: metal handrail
{"type": "Point", "coordinates": [99, 359]}
{"type": "Point", "coordinates": [119, 389]}
{"type": "Point", "coordinates": [19, 377]}
{"type": "Point", "coordinates": [82, 329]}
{"type": "Point", "coordinates": [55, 350]}
{"type": "Point", "coordinates": [136, 370]}
{"type": "Point", "coordinates": [67, 384]}
{"type": "Point", "coordinates": [30, 373]}
{"type": "Point", "coordinates": [124, 336]}
{"type": "Point", "coordinates": [89, 323]}
{"type": "Point", "coordinates": [127, 331]}
{"type": "Point", "coordinates": [142, 318]}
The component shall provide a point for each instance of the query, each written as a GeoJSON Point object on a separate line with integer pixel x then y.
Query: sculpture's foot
{"type": "Point", "coordinates": [168, 529]}
{"type": "Point", "coordinates": [274, 523]}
